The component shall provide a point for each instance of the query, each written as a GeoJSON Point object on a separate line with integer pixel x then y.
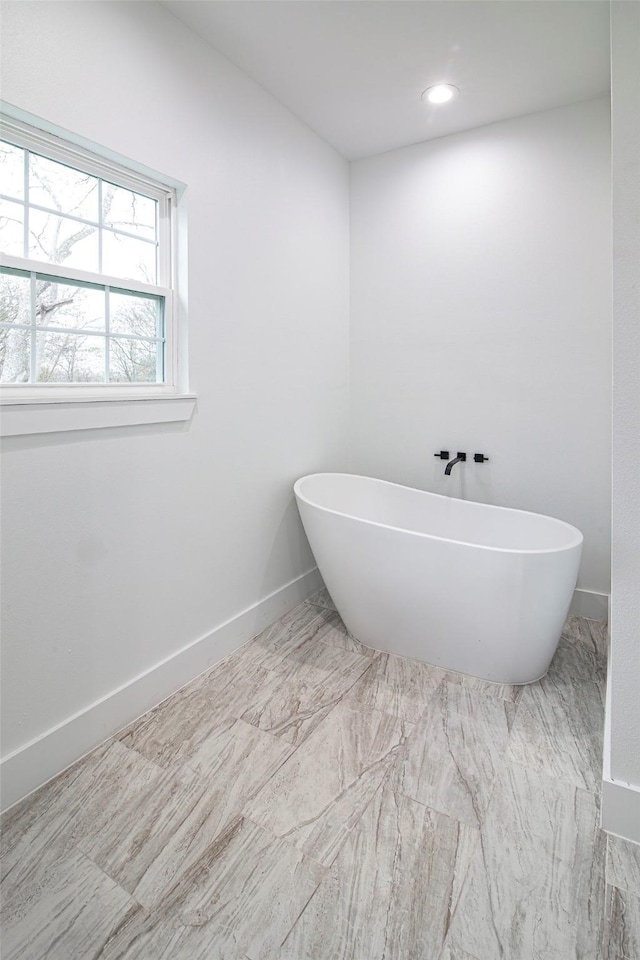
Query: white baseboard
{"type": "Point", "coordinates": [31, 765]}
{"type": "Point", "coordinates": [591, 605]}
{"type": "Point", "coordinates": [620, 807]}
{"type": "Point", "coordinates": [620, 812]}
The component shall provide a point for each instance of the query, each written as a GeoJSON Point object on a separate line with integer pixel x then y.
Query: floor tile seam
{"type": "Point", "coordinates": [129, 727]}
{"type": "Point", "coordinates": [622, 887]}
{"type": "Point", "coordinates": [322, 670]}
{"type": "Point", "coordinates": [318, 624]}
{"type": "Point", "coordinates": [484, 695]}
{"type": "Point", "coordinates": [325, 873]}
{"type": "Point", "coordinates": [184, 765]}
{"type": "Point", "coordinates": [634, 845]}
{"type": "Point", "coordinates": [358, 707]}
{"type": "Point", "coordinates": [611, 888]}
{"type": "Point", "coordinates": [464, 882]}
{"type": "Point", "coordinates": [461, 892]}
{"type": "Point", "coordinates": [72, 772]}
{"type": "Point", "coordinates": [510, 738]}
{"type": "Point", "coordinates": [607, 926]}
{"type": "Point", "coordinates": [603, 658]}
{"type": "Point", "coordinates": [479, 823]}
{"type": "Point", "coordinates": [445, 678]}
{"type": "Point", "coordinates": [556, 698]}
{"type": "Point", "coordinates": [303, 716]}
{"type": "Point", "coordinates": [182, 880]}
{"type": "Point", "coordinates": [327, 866]}
{"type": "Point", "coordinates": [345, 693]}
{"type": "Point", "coordinates": [517, 704]}
{"type": "Point", "coordinates": [554, 778]}
{"type": "Point", "coordinates": [369, 661]}
{"type": "Point", "coordinates": [449, 676]}
{"type": "Point", "coordinates": [76, 846]}
{"type": "Point", "coordinates": [282, 658]}
{"type": "Point", "coordinates": [337, 647]}
{"type": "Point", "coordinates": [602, 624]}
{"type": "Point", "coordinates": [142, 756]}
{"type": "Point", "coordinates": [445, 946]}
{"type": "Point", "coordinates": [574, 685]}
{"type": "Point", "coordinates": [294, 748]}
{"type": "Point", "coordinates": [566, 726]}
{"type": "Point", "coordinates": [320, 606]}
{"type": "Point", "coordinates": [493, 787]}
{"type": "Point", "coordinates": [290, 843]}
{"type": "Point", "coordinates": [332, 705]}
{"type": "Point", "coordinates": [579, 742]}
{"type": "Point", "coordinates": [204, 782]}
{"type": "Point", "coordinates": [442, 813]}
{"type": "Point", "coordinates": [430, 699]}
{"type": "Point", "coordinates": [354, 826]}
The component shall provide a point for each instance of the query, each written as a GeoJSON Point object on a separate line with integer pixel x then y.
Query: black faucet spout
{"type": "Point", "coordinates": [449, 467]}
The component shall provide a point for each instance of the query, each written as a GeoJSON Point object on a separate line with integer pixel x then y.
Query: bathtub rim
{"type": "Point", "coordinates": [576, 541]}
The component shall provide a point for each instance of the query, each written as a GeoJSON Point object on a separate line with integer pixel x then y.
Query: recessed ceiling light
{"type": "Point", "coordinates": [440, 93]}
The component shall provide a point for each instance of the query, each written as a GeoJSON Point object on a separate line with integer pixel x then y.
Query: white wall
{"type": "Point", "coordinates": [621, 812]}
{"type": "Point", "coordinates": [473, 324]}
{"type": "Point", "coordinates": [480, 317]}
{"type": "Point", "coordinates": [122, 546]}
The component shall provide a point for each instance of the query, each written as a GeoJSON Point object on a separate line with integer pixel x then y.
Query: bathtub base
{"type": "Point", "coordinates": [484, 660]}
{"type": "Point", "coordinates": [472, 606]}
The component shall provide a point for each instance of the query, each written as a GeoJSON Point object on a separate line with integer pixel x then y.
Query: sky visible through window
{"type": "Point", "coordinates": [54, 330]}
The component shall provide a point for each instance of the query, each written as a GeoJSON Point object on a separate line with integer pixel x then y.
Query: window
{"type": "Point", "coordinates": [86, 299]}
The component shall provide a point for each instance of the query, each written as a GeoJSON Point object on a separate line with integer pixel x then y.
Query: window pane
{"type": "Point", "coordinates": [11, 170]}
{"type": "Point", "coordinates": [14, 355]}
{"type": "Point", "coordinates": [127, 258]}
{"type": "Point", "coordinates": [58, 240]}
{"type": "Point", "coordinates": [61, 188]}
{"type": "Point", "coordinates": [69, 358]}
{"type": "Point", "coordinates": [139, 316]}
{"type": "Point", "coordinates": [133, 361]}
{"type": "Point", "coordinates": [62, 304]}
{"type": "Point", "coordinates": [11, 228]}
{"type": "Point", "coordinates": [128, 211]}
{"type": "Point", "coordinates": [15, 298]}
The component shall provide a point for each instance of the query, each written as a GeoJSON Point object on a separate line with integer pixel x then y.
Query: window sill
{"type": "Point", "coordinates": [55, 416]}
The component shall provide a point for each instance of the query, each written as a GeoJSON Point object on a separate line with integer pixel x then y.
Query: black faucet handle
{"type": "Point", "coordinates": [479, 457]}
{"type": "Point", "coordinates": [444, 454]}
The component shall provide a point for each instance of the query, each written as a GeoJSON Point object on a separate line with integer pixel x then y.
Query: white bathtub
{"type": "Point", "coordinates": [474, 588]}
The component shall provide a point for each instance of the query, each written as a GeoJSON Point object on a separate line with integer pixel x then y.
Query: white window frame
{"type": "Point", "coordinates": [80, 158]}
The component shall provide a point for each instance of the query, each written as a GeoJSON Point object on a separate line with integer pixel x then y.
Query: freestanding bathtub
{"type": "Point", "coordinates": [469, 587]}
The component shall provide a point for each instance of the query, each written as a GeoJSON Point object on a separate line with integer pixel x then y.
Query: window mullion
{"type": "Point", "coordinates": [33, 341]}
{"type": "Point", "coordinates": [110, 292]}
{"type": "Point", "coordinates": [81, 332]}
{"type": "Point", "coordinates": [100, 225]}
{"type": "Point", "coordinates": [161, 349]}
{"type": "Point", "coordinates": [163, 242]}
{"type": "Point", "coordinates": [107, 327]}
{"type": "Point", "coordinates": [25, 237]}
{"type": "Point", "coordinates": [77, 275]}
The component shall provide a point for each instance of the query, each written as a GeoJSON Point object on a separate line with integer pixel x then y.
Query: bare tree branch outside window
{"type": "Point", "coordinates": [79, 332]}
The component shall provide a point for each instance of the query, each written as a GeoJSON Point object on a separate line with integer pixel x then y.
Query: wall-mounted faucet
{"type": "Point", "coordinates": [460, 458]}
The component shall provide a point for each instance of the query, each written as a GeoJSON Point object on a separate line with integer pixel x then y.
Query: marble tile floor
{"type": "Point", "coordinates": [311, 799]}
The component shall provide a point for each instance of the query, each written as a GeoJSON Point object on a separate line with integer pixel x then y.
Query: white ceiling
{"type": "Point", "coordinates": [354, 70]}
